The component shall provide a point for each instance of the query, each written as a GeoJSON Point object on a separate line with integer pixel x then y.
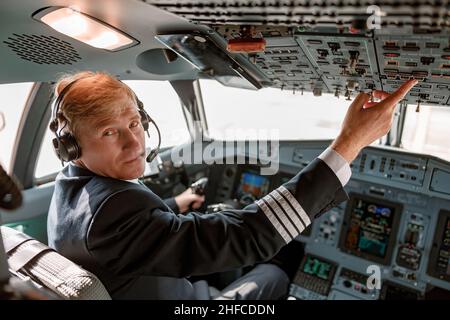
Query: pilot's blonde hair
{"type": "Point", "coordinates": [92, 99]}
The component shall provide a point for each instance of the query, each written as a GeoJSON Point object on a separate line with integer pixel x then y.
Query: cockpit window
{"type": "Point", "coordinates": [248, 114]}
{"type": "Point", "coordinates": [14, 97]}
{"type": "Point", "coordinates": [428, 131]}
{"type": "Point", "coordinates": [162, 104]}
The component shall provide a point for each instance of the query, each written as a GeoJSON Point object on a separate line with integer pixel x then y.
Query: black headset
{"type": "Point", "coordinates": [66, 147]}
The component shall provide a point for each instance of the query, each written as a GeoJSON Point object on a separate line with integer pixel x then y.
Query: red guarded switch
{"type": "Point", "coordinates": [246, 45]}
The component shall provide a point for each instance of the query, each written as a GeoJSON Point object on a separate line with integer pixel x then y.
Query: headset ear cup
{"type": "Point", "coordinates": [53, 125]}
{"type": "Point", "coordinates": [66, 148]}
{"type": "Point", "coordinates": [55, 143]}
{"type": "Point", "coordinates": [145, 119]}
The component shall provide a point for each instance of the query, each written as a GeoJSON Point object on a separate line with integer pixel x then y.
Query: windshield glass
{"type": "Point", "coordinates": [14, 97]}
{"type": "Point", "coordinates": [428, 131]}
{"type": "Point", "coordinates": [303, 117]}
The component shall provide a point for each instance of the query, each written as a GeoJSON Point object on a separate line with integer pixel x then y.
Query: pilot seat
{"type": "Point", "coordinates": [29, 259]}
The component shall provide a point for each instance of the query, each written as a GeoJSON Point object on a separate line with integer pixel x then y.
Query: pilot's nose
{"type": "Point", "coordinates": [131, 140]}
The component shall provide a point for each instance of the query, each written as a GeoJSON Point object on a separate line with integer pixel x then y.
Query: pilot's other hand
{"type": "Point", "coordinates": [188, 198]}
{"type": "Point", "coordinates": [368, 121]}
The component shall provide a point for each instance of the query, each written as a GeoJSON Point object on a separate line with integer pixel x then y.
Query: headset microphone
{"type": "Point", "coordinates": [152, 155]}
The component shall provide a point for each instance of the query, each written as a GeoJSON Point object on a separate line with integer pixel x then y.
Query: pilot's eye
{"type": "Point", "coordinates": [134, 124]}
{"type": "Point", "coordinates": [108, 133]}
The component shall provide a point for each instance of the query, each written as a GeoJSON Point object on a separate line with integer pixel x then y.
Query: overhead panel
{"type": "Point", "coordinates": [338, 47]}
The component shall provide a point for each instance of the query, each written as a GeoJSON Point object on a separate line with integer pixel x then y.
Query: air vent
{"type": "Point", "coordinates": [42, 49]}
{"type": "Point", "coordinates": [362, 164]}
{"type": "Point", "coordinates": [383, 164]}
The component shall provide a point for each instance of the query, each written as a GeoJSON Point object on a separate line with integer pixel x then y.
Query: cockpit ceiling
{"type": "Point", "coordinates": [338, 47]}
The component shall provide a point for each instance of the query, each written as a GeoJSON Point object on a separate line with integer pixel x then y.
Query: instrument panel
{"type": "Point", "coordinates": [337, 47]}
{"type": "Point", "coordinates": [394, 229]}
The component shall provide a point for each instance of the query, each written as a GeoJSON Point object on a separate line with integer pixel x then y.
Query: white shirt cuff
{"type": "Point", "coordinates": [338, 164]}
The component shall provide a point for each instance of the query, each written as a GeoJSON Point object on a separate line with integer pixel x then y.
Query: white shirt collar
{"type": "Point", "coordinates": [133, 181]}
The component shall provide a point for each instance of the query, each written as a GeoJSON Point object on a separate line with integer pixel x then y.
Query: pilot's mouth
{"type": "Point", "coordinates": [137, 158]}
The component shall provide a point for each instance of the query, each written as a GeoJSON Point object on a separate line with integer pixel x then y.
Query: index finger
{"type": "Point", "coordinates": [399, 94]}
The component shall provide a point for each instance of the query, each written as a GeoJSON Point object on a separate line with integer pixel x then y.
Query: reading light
{"type": "Point", "coordinates": [84, 28]}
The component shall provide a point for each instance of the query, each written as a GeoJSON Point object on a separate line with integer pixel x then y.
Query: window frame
{"type": "Point", "coordinates": [33, 123]}
{"type": "Point", "coordinates": [11, 156]}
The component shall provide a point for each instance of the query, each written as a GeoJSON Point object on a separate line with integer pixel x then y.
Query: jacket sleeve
{"type": "Point", "coordinates": [130, 235]}
{"type": "Point", "coordinates": [170, 202]}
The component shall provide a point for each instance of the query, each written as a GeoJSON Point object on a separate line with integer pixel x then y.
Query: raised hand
{"type": "Point", "coordinates": [367, 121]}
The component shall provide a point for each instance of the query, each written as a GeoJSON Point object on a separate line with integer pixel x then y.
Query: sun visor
{"type": "Point", "coordinates": [213, 61]}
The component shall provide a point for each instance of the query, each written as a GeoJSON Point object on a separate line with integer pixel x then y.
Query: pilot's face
{"type": "Point", "coordinates": [115, 148]}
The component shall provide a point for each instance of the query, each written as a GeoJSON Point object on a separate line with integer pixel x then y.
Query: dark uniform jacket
{"type": "Point", "coordinates": [141, 249]}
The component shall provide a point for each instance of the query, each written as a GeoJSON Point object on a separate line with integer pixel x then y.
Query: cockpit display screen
{"type": "Point", "coordinates": [439, 264]}
{"type": "Point", "coordinates": [252, 185]}
{"type": "Point", "coordinates": [443, 261]}
{"type": "Point", "coordinates": [370, 227]}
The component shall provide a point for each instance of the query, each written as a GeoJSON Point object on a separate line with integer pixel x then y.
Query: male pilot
{"type": "Point", "coordinates": [136, 244]}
